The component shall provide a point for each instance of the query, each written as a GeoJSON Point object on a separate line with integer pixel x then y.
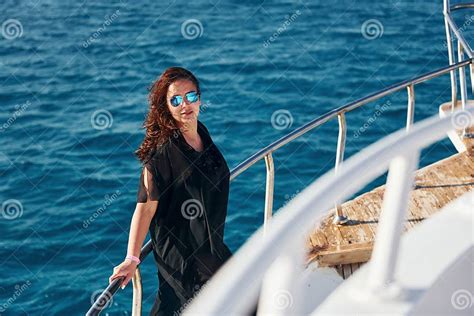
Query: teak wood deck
{"type": "Point", "coordinates": [347, 247]}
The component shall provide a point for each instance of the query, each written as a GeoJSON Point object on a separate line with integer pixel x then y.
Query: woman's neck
{"type": "Point", "coordinates": [189, 130]}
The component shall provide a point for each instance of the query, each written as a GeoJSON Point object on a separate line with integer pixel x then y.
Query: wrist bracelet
{"type": "Point", "coordinates": [133, 258]}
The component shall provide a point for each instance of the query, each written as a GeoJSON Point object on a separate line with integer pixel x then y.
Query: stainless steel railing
{"type": "Point", "coordinates": [462, 47]}
{"type": "Point", "coordinates": [267, 152]}
{"type": "Point", "coordinates": [104, 298]}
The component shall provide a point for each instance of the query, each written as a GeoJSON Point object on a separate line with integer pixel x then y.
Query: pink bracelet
{"type": "Point", "coordinates": [133, 258]}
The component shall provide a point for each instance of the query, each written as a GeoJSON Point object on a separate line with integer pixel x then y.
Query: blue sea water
{"type": "Point", "coordinates": [74, 78]}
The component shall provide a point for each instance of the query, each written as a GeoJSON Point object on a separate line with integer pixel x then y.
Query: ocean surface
{"type": "Point", "coordinates": [74, 82]}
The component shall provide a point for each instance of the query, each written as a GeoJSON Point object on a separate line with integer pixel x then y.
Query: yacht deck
{"type": "Point", "coordinates": [346, 247]}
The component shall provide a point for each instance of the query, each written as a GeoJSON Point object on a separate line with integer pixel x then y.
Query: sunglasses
{"type": "Point", "coordinates": [191, 96]}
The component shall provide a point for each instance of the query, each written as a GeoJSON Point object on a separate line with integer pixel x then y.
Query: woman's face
{"type": "Point", "coordinates": [186, 112]}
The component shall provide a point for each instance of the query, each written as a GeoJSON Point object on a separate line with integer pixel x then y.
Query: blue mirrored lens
{"type": "Point", "coordinates": [176, 100]}
{"type": "Point", "coordinates": [192, 96]}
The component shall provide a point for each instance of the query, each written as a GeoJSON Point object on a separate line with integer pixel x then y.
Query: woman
{"type": "Point", "coordinates": [182, 195]}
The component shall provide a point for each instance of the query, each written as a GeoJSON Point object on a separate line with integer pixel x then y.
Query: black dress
{"type": "Point", "coordinates": [187, 229]}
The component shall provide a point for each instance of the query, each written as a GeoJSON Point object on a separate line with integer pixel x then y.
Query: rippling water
{"type": "Point", "coordinates": [74, 94]}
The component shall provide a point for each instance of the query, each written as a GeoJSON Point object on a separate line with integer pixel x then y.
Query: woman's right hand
{"type": "Point", "coordinates": [127, 269]}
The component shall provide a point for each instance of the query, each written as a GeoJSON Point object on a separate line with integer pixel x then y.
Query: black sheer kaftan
{"type": "Point", "coordinates": [187, 229]}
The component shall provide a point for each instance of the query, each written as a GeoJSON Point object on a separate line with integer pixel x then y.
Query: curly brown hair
{"type": "Point", "coordinates": [159, 123]}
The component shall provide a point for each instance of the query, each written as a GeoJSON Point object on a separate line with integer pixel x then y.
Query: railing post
{"type": "Point", "coordinates": [449, 42]}
{"type": "Point", "coordinates": [463, 85]}
{"type": "Point", "coordinates": [339, 217]}
{"type": "Point", "coordinates": [269, 190]}
{"type": "Point", "coordinates": [411, 106]}
{"type": "Point", "coordinates": [137, 293]}
{"type": "Point", "coordinates": [462, 77]}
{"type": "Point", "coordinates": [395, 204]}
{"type": "Point", "coordinates": [471, 75]}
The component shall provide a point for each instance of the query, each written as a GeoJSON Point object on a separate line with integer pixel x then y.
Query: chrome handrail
{"type": "Point", "coordinates": [459, 35]}
{"type": "Point", "coordinates": [267, 152]}
{"type": "Point", "coordinates": [104, 298]}
{"type": "Point", "coordinates": [447, 8]}
{"type": "Point", "coordinates": [462, 6]}
{"type": "Point", "coordinates": [463, 47]}
{"type": "Point", "coordinates": [339, 217]}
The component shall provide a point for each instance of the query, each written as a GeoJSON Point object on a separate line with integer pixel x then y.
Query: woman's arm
{"type": "Point", "coordinates": [139, 226]}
